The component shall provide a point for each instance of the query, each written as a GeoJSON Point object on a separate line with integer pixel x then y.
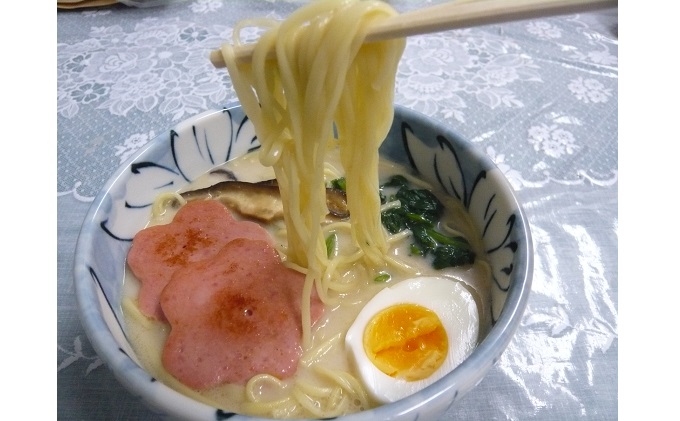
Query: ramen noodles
{"type": "Point", "coordinates": [321, 107]}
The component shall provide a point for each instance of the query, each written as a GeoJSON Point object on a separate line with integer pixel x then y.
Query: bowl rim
{"type": "Point", "coordinates": [474, 368]}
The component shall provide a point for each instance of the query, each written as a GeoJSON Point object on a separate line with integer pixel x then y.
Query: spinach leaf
{"type": "Point", "coordinates": [420, 202]}
{"type": "Point", "coordinates": [446, 256]}
{"type": "Point", "coordinates": [420, 212]}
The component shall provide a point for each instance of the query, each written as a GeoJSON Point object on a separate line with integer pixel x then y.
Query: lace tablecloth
{"type": "Point", "coordinates": [539, 96]}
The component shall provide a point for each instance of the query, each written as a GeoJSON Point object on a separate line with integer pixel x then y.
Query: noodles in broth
{"type": "Point", "coordinates": [325, 93]}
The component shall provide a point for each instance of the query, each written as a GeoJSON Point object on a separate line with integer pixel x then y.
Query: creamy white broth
{"type": "Point", "coordinates": [148, 336]}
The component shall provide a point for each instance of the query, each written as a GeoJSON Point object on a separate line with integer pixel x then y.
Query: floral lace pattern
{"type": "Point", "coordinates": [151, 72]}
{"type": "Point", "coordinates": [540, 97]}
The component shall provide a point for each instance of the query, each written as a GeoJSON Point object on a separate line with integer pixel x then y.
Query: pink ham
{"type": "Point", "coordinates": [198, 231]}
{"type": "Point", "coordinates": [233, 316]}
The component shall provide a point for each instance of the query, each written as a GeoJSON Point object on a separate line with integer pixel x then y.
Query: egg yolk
{"type": "Point", "coordinates": [406, 341]}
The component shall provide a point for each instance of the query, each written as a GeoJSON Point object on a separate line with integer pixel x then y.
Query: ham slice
{"type": "Point", "coordinates": [233, 316]}
{"type": "Point", "coordinates": [198, 231]}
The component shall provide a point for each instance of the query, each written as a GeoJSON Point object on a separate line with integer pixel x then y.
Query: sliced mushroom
{"type": "Point", "coordinates": [261, 200]}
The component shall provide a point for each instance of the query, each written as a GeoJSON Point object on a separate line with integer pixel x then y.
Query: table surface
{"type": "Point", "coordinates": [539, 96]}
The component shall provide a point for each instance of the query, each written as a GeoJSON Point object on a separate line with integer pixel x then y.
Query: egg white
{"type": "Point", "coordinates": [455, 307]}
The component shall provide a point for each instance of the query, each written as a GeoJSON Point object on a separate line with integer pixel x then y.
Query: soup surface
{"type": "Point", "coordinates": [331, 377]}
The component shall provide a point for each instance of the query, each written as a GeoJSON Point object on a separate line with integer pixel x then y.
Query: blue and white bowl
{"type": "Point", "coordinates": [195, 146]}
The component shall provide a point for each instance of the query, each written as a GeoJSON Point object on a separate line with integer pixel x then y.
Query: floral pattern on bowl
{"type": "Point", "coordinates": [209, 139]}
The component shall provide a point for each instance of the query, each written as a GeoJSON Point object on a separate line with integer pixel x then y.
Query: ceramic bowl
{"type": "Point", "coordinates": [175, 158]}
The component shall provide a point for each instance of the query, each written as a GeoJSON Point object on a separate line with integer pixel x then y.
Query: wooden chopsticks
{"type": "Point", "coordinates": [455, 15]}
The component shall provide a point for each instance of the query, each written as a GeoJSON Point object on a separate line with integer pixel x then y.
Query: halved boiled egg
{"type": "Point", "coordinates": [411, 334]}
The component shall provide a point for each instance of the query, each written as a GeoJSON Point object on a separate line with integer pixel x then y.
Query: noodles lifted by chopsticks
{"type": "Point", "coordinates": [323, 77]}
